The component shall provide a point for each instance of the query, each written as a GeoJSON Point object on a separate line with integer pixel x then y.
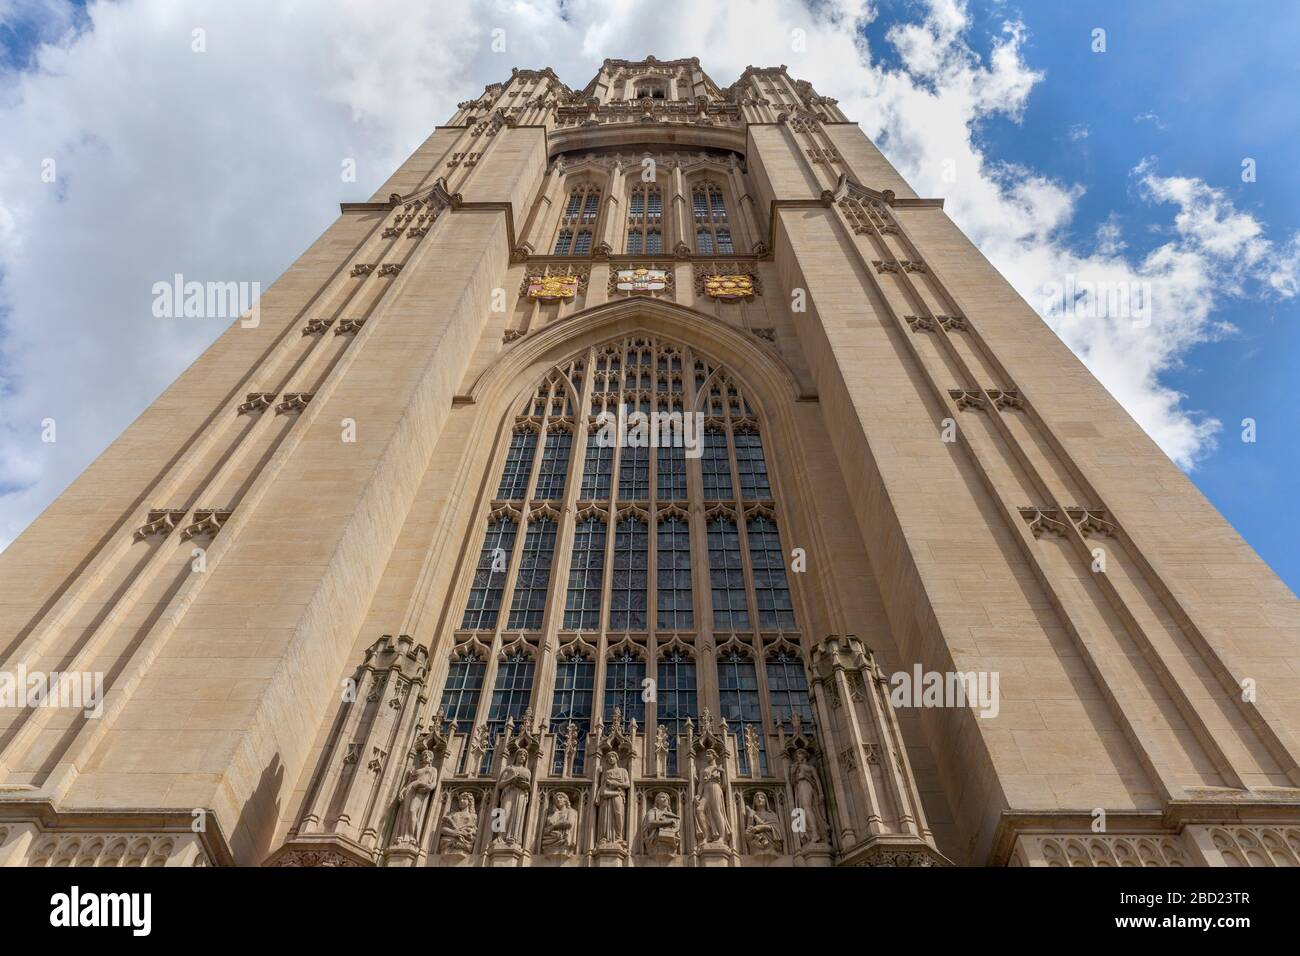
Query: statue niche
{"type": "Point", "coordinates": [611, 802]}
{"type": "Point", "coordinates": [661, 827]}
{"type": "Point", "coordinates": [762, 827]}
{"type": "Point", "coordinates": [560, 831]}
{"type": "Point", "coordinates": [413, 798]}
{"type": "Point", "coordinates": [513, 786]}
{"type": "Point", "coordinates": [712, 820]}
{"type": "Point", "coordinates": [459, 829]}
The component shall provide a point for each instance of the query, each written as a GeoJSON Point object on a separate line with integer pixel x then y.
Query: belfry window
{"type": "Point", "coordinates": [645, 213]}
{"type": "Point", "coordinates": [578, 221]}
{"type": "Point", "coordinates": [712, 232]}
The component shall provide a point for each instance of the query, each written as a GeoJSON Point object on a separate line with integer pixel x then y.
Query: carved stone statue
{"type": "Point", "coordinates": [512, 798]}
{"type": "Point", "coordinates": [762, 827]}
{"type": "Point", "coordinates": [661, 828]}
{"type": "Point", "coordinates": [459, 828]}
{"type": "Point", "coordinates": [611, 799]}
{"type": "Point", "coordinates": [806, 786]}
{"type": "Point", "coordinates": [712, 822]}
{"type": "Point", "coordinates": [560, 832]}
{"type": "Point", "coordinates": [413, 797]}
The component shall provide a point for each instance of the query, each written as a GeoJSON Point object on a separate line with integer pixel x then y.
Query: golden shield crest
{"type": "Point", "coordinates": [729, 286]}
{"type": "Point", "coordinates": [551, 288]}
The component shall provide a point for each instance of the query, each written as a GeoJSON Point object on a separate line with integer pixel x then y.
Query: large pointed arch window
{"type": "Point", "coordinates": [669, 560]}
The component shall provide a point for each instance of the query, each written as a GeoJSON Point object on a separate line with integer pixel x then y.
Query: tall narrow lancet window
{"type": "Point", "coordinates": [738, 694]}
{"type": "Point", "coordinates": [519, 464]}
{"type": "Point", "coordinates": [488, 584]}
{"type": "Point", "coordinates": [461, 692]}
{"type": "Point", "coordinates": [586, 575]}
{"type": "Point", "coordinates": [634, 469]}
{"type": "Point", "coordinates": [669, 553]}
{"type": "Point", "coordinates": [767, 561]}
{"type": "Point", "coordinates": [716, 466]}
{"type": "Point", "coordinates": [554, 465]}
{"type": "Point", "coordinates": [627, 608]}
{"type": "Point", "coordinates": [575, 682]}
{"type": "Point", "coordinates": [625, 684]}
{"type": "Point", "coordinates": [712, 229]}
{"type": "Point", "coordinates": [529, 604]}
{"type": "Point", "coordinates": [678, 700]}
{"type": "Point", "coordinates": [727, 575]}
{"type": "Point", "coordinates": [787, 687]}
{"type": "Point", "coordinates": [673, 574]}
{"type": "Point", "coordinates": [511, 693]}
{"type": "Point", "coordinates": [751, 465]}
{"type": "Point", "coordinates": [597, 469]}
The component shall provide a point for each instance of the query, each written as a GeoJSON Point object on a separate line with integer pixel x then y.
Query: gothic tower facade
{"type": "Point", "coordinates": [402, 572]}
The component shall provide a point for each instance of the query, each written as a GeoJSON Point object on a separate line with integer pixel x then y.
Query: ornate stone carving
{"type": "Point", "coordinates": [256, 402]}
{"type": "Point", "coordinates": [159, 521]}
{"type": "Point", "coordinates": [293, 402]}
{"type": "Point", "coordinates": [1005, 398]}
{"type": "Point", "coordinates": [363, 268]}
{"type": "Point", "coordinates": [316, 326]}
{"type": "Point", "coordinates": [207, 522]}
{"type": "Point", "coordinates": [349, 326]}
{"type": "Point", "coordinates": [1091, 522]}
{"type": "Point", "coordinates": [1043, 521]}
{"type": "Point", "coordinates": [965, 398]}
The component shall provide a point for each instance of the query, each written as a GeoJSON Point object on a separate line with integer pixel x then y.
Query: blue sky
{"type": "Point", "coordinates": [1198, 89]}
{"type": "Point", "coordinates": [228, 164]}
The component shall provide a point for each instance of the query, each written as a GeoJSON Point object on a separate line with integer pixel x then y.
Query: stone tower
{"type": "Point", "coordinates": [376, 582]}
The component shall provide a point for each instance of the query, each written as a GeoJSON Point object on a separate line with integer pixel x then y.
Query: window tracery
{"type": "Point", "coordinates": [673, 562]}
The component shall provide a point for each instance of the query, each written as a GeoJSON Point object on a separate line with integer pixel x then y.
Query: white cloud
{"type": "Point", "coordinates": [224, 165]}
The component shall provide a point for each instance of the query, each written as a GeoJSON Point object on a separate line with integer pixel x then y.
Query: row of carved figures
{"type": "Point", "coordinates": [713, 806]}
